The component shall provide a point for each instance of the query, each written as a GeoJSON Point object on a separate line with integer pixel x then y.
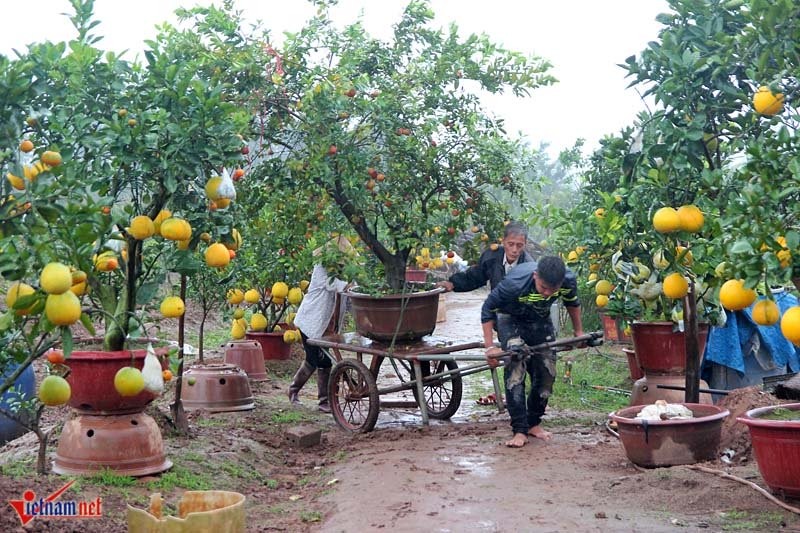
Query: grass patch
{"type": "Point", "coordinates": [310, 516]}
{"type": "Point", "coordinates": [109, 478]}
{"type": "Point", "coordinates": [18, 469]}
{"type": "Point", "coordinates": [745, 521]}
{"type": "Point", "coordinates": [180, 477]}
{"type": "Point", "coordinates": [272, 484]}
{"type": "Point", "coordinates": [289, 417]}
{"type": "Point", "coordinates": [213, 422]}
{"type": "Point", "coordinates": [590, 367]}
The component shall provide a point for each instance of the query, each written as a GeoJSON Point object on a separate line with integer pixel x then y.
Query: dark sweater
{"type": "Point", "coordinates": [489, 268]}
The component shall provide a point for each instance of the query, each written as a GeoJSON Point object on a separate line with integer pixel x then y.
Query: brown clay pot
{"type": "Point", "coordinates": [670, 442]}
{"type": "Point", "coordinates": [633, 365]}
{"type": "Point", "coordinates": [660, 350]}
{"type": "Point", "coordinates": [416, 276]}
{"type": "Point", "coordinates": [248, 356]}
{"type": "Point", "coordinates": [776, 447]}
{"type": "Point", "coordinates": [272, 345]}
{"type": "Point", "coordinates": [130, 445]}
{"type": "Point", "coordinates": [216, 388]}
{"type": "Point", "coordinates": [377, 317]}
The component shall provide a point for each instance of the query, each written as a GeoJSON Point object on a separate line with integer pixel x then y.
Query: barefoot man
{"type": "Point", "coordinates": [519, 308]}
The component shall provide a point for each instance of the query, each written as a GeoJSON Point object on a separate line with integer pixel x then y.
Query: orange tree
{"type": "Point", "coordinates": [393, 133]}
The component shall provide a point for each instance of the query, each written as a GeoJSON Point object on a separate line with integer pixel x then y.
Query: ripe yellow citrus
{"type": "Point", "coordinates": [593, 276]}
{"type": "Point", "coordinates": [295, 296]}
{"type": "Point", "coordinates": [26, 146]}
{"type": "Point", "coordinates": [15, 181]}
{"type": "Point", "coordinates": [54, 390]}
{"type": "Point", "coordinates": [62, 309]}
{"type": "Point", "coordinates": [252, 296]}
{"type": "Point", "coordinates": [79, 289]}
{"type": "Point", "coordinates": [176, 229]}
{"type": "Point", "coordinates": [237, 330]}
{"type": "Point", "coordinates": [183, 245]}
{"type": "Point", "coordinates": [56, 278]}
{"type": "Point", "coordinates": [280, 290]}
{"type": "Point", "coordinates": [685, 255]}
{"type": "Point", "coordinates": [766, 313]}
{"type": "Point", "coordinates": [51, 158]}
{"type": "Point", "coordinates": [734, 297]}
{"type": "Point", "coordinates": [599, 212]}
{"type": "Point", "coordinates": [162, 215]}
{"type": "Point", "coordinates": [675, 286]}
{"type": "Point", "coordinates": [217, 255]}
{"type": "Point", "coordinates": [594, 267]}
{"type": "Point", "coordinates": [572, 256]}
{"type": "Point", "coordinates": [222, 203]}
{"type": "Point", "coordinates": [234, 241]}
{"type": "Point", "coordinates": [106, 262]}
{"type": "Point", "coordinates": [212, 188]}
{"type": "Point", "coordinates": [238, 313]}
{"type": "Point", "coordinates": [172, 307]}
{"type": "Point", "coordinates": [666, 220]}
{"type": "Point", "coordinates": [16, 291]}
{"type": "Point", "coordinates": [766, 103]}
{"type": "Point", "coordinates": [603, 287]}
{"type": "Point", "coordinates": [601, 300]}
{"type": "Point", "coordinates": [128, 381]}
{"type": "Point", "coordinates": [691, 218]}
{"type": "Point", "coordinates": [790, 325]}
{"type": "Point", "coordinates": [235, 296]}
{"type": "Point", "coordinates": [141, 227]}
{"type": "Point", "coordinates": [258, 322]}
{"type": "Point", "coordinates": [278, 301]}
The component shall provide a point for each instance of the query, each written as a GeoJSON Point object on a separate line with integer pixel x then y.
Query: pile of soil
{"type": "Point", "coordinates": [735, 435]}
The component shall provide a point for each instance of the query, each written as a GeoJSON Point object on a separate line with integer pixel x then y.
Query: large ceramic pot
{"type": "Point", "coordinates": [661, 350]}
{"type": "Point", "coordinates": [26, 385]}
{"type": "Point", "coordinates": [613, 330]}
{"type": "Point", "coordinates": [272, 345]}
{"type": "Point", "coordinates": [670, 442]}
{"type": "Point", "coordinates": [776, 446]}
{"type": "Point", "coordinates": [416, 276]}
{"type": "Point", "coordinates": [395, 316]}
{"type": "Point", "coordinates": [91, 378]}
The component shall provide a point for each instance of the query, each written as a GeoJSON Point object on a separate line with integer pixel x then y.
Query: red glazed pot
{"type": "Point", "coordinates": [92, 381]}
{"type": "Point", "coordinates": [776, 447]}
{"type": "Point", "coordinates": [272, 345]}
{"type": "Point", "coordinates": [660, 350]}
{"type": "Point", "coordinates": [633, 365]}
{"type": "Point", "coordinates": [416, 276]}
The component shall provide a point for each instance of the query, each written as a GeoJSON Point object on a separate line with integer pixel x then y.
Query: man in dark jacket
{"type": "Point", "coordinates": [519, 309]}
{"type": "Point", "coordinates": [493, 264]}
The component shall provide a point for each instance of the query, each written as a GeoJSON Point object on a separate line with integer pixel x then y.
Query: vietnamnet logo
{"type": "Point", "coordinates": [29, 507]}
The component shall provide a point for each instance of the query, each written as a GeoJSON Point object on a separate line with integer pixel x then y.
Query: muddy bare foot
{"type": "Point", "coordinates": [517, 441]}
{"type": "Point", "coordinates": [539, 433]}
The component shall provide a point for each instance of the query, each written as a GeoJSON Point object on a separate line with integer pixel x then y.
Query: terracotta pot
{"type": "Point", "coordinates": [92, 380]}
{"type": "Point", "coordinates": [248, 356]}
{"type": "Point", "coordinates": [633, 365]}
{"type": "Point", "coordinates": [216, 388]}
{"type": "Point", "coordinates": [272, 345]}
{"type": "Point", "coordinates": [377, 317]}
{"type": "Point", "coordinates": [26, 384]}
{"type": "Point", "coordinates": [670, 442]}
{"type": "Point", "coordinates": [416, 276]}
{"type": "Point", "coordinates": [199, 510]}
{"type": "Point", "coordinates": [776, 447]}
{"type": "Point", "coordinates": [660, 350]}
{"type": "Point", "coordinates": [130, 445]}
{"type": "Point", "coordinates": [612, 329]}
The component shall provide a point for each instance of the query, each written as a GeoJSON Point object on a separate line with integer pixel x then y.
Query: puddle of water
{"type": "Point", "coordinates": [477, 467]}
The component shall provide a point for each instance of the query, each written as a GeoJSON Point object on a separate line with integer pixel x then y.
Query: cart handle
{"type": "Point", "coordinates": [592, 339]}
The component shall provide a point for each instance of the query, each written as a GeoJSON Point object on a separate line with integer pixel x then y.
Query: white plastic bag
{"type": "Point", "coordinates": [153, 377]}
{"type": "Point", "coordinates": [226, 188]}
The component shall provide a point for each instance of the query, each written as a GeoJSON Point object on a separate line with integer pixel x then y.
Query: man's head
{"type": "Point", "coordinates": [515, 237]}
{"type": "Point", "coordinates": [549, 275]}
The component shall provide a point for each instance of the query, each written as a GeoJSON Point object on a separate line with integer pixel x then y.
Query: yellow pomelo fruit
{"type": "Point", "coordinates": [16, 291]}
{"type": "Point", "coordinates": [601, 300]}
{"type": "Point", "coordinates": [141, 227]}
{"type": "Point", "coordinates": [766, 103]}
{"type": "Point", "coordinates": [280, 290]}
{"type": "Point", "coordinates": [290, 336]}
{"type": "Point", "coordinates": [217, 255]}
{"type": "Point", "coordinates": [594, 267]}
{"type": "Point", "coordinates": [238, 331]}
{"type": "Point", "coordinates": [79, 289]}
{"type": "Point", "coordinates": [572, 256]}
{"type": "Point", "coordinates": [234, 240]}
{"type": "Point", "coordinates": [54, 390]}
{"type": "Point", "coordinates": [252, 296]}
{"type": "Point", "coordinates": [51, 158]}
{"type": "Point", "coordinates": [62, 309]}
{"type": "Point", "coordinates": [295, 296]}
{"type": "Point", "coordinates": [258, 322]}
{"type": "Point", "coordinates": [162, 215]}
{"type": "Point", "coordinates": [56, 278]}
{"type": "Point", "coordinates": [303, 285]}
{"type": "Point", "coordinates": [128, 381]}
{"type": "Point", "coordinates": [212, 187]}
{"type": "Point", "coordinates": [222, 203]}
{"type": "Point", "coordinates": [238, 313]}
{"type": "Point", "coordinates": [172, 307]}
{"type": "Point", "coordinates": [176, 229]}
{"type": "Point", "coordinates": [235, 296]}
{"type": "Point", "coordinates": [734, 297]}
{"type": "Point", "coordinates": [790, 325]}
{"type": "Point", "coordinates": [16, 182]}
{"type": "Point", "coordinates": [766, 313]}
{"type": "Point", "coordinates": [675, 286]}
{"type": "Point", "coordinates": [686, 255]}
{"type": "Point", "coordinates": [278, 301]}
{"type": "Point", "coordinates": [603, 287]}
{"type": "Point", "coordinates": [592, 277]}
{"type": "Point", "coordinates": [666, 220]}
{"type": "Point", "coordinates": [691, 218]}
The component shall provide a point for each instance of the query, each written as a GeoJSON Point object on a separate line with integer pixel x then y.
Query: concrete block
{"type": "Point", "coordinates": [303, 436]}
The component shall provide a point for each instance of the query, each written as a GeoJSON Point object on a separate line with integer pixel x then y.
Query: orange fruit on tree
{"type": "Point", "coordinates": [129, 381]}
{"type": "Point", "coordinates": [790, 325]}
{"type": "Point", "coordinates": [280, 289]}
{"type": "Point", "coordinates": [16, 291]}
{"type": "Point", "coordinates": [691, 218]}
{"type": "Point", "coordinates": [235, 296]}
{"type": "Point", "coordinates": [167, 375]}
{"type": "Point", "coordinates": [56, 278]}
{"type": "Point", "coordinates": [26, 146]}
{"type": "Point", "coordinates": [767, 103]}
{"type": "Point", "coordinates": [684, 254]}
{"type": "Point", "coordinates": [295, 296]}
{"type": "Point", "coordinates": [16, 182]}
{"type": "Point", "coordinates": [142, 227]}
{"type": "Point", "coordinates": [733, 296]}
{"type": "Point", "coordinates": [252, 296]}
{"type": "Point", "coordinates": [675, 286]}
{"type": "Point", "coordinates": [56, 357]}
{"type": "Point", "coordinates": [176, 229]}
{"type": "Point", "coordinates": [62, 309]}
{"type": "Point", "coordinates": [601, 300]}
{"type": "Point", "coordinates": [172, 307]}
{"type": "Point", "coordinates": [238, 331]}
{"type": "Point", "coordinates": [258, 322]}
{"type": "Point", "coordinates": [51, 158]}
{"type": "Point", "coordinates": [162, 215]}
{"type": "Point", "coordinates": [603, 287]}
{"type": "Point", "coordinates": [54, 390]}
{"type": "Point", "coordinates": [666, 220]}
{"type": "Point", "coordinates": [222, 203]}
{"type": "Point", "coordinates": [303, 285]}
{"type": "Point", "coordinates": [766, 313]}
{"type": "Point", "coordinates": [217, 255]}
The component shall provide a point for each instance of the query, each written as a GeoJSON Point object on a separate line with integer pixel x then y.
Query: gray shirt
{"type": "Point", "coordinates": [317, 306]}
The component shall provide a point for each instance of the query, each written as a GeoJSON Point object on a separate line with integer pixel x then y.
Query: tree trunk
{"type": "Point", "coordinates": [178, 413]}
{"type": "Point", "coordinates": [395, 270]}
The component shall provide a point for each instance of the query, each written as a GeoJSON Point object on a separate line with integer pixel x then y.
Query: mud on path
{"type": "Point", "coordinates": [451, 476]}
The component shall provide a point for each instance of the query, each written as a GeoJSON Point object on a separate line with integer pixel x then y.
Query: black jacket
{"type": "Point", "coordinates": [489, 268]}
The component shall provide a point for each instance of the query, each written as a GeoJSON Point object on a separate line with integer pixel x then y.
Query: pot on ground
{"type": "Point", "coordinates": [272, 345]}
{"type": "Point", "coordinates": [660, 349]}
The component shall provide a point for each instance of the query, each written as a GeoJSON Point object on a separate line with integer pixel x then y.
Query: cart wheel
{"type": "Point", "coordinates": [442, 396]}
{"type": "Point", "coordinates": [354, 396]}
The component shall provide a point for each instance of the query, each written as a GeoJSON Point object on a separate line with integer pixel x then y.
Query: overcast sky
{"type": "Point", "coordinates": [583, 39]}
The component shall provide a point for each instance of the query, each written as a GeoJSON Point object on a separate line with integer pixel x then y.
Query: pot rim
{"type": "Point", "coordinates": [416, 294]}
{"type": "Point", "coordinates": [662, 322]}
{"type": "Point", "coordinates": [719, 415]}
{"type": "Point", "coordinates": [751, 418]}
